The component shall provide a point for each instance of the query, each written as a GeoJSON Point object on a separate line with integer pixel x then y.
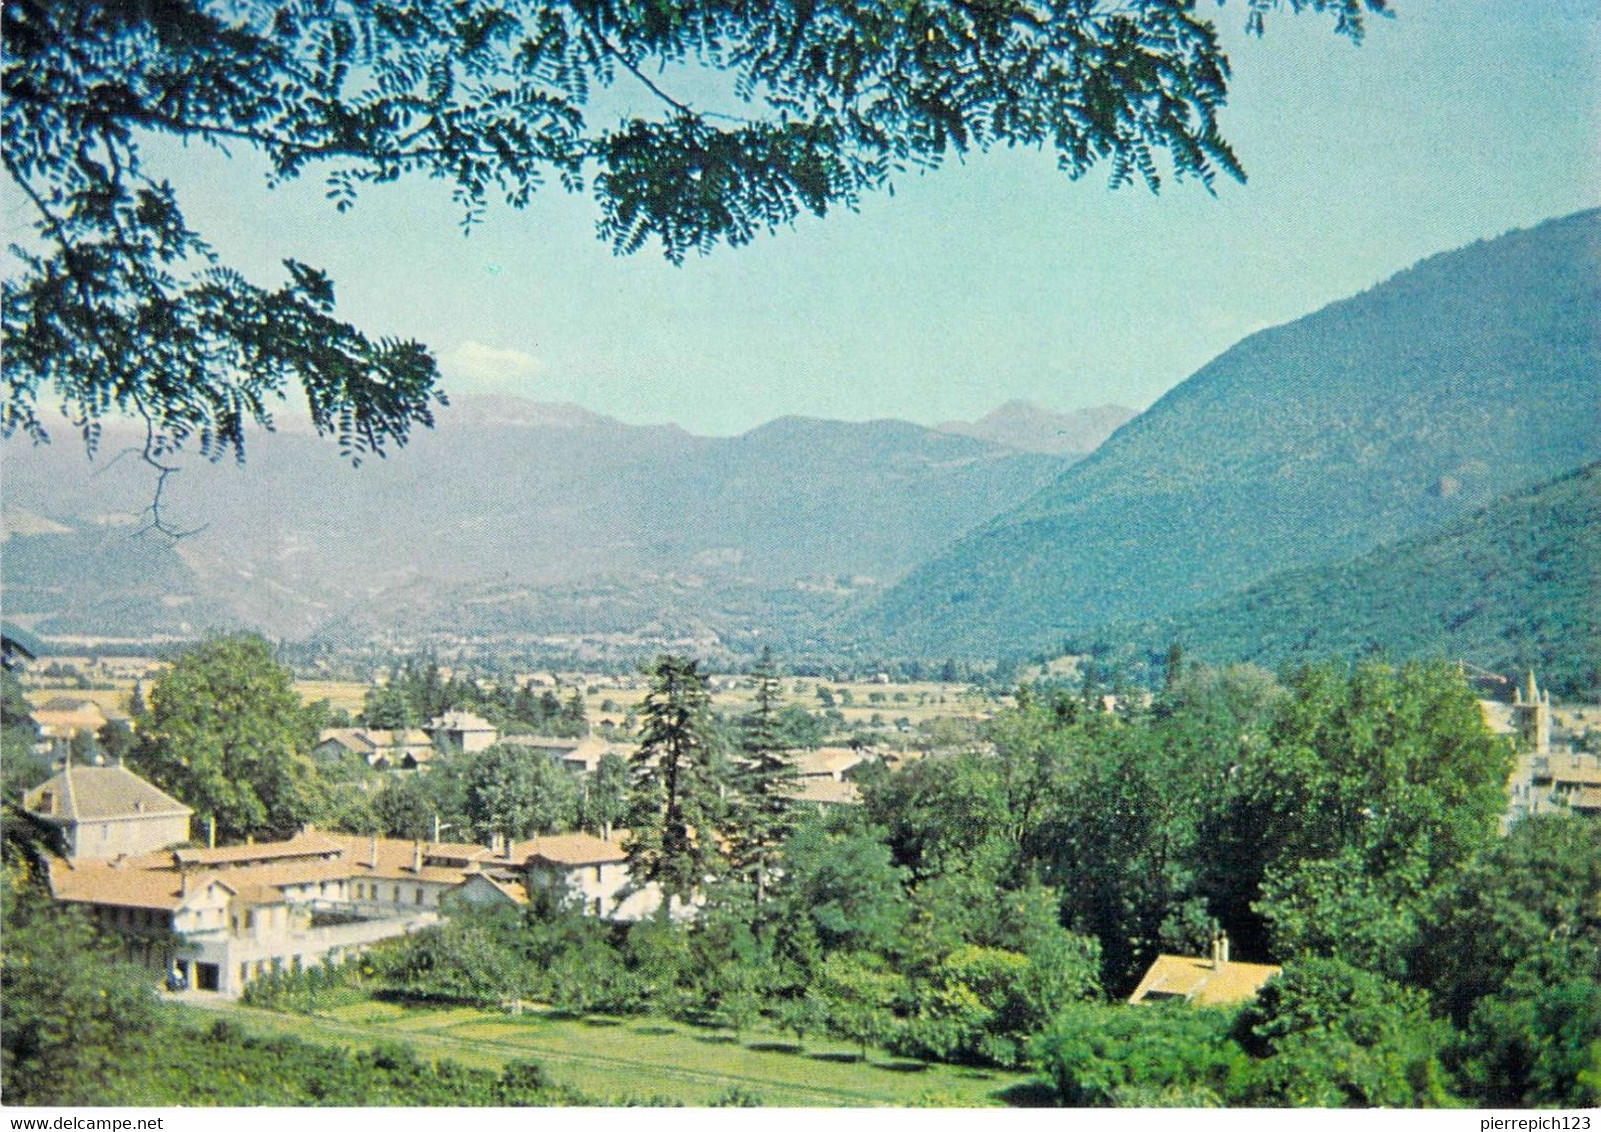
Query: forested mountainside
{"type": "Point", "coordinates": [1383, 416]}
{"type": "Point", "coordinates": [1516, 585]}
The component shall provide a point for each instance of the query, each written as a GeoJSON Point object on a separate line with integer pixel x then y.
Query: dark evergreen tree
{"type": "Point", "coordinates": [675, 804]}
{"type": "Point", "coordinates": [762, 814]}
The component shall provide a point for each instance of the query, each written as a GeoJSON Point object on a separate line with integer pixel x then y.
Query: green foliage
{"type": "Point", "coordinates": [1537, 1049]}
{"type": "Point", "coordinates": [14, 709]}
{"type": "Point", "coordinates": [761, 816]}
{"type": "Point", "coordinates": [737, 1096]}
{"type": "Point", "coordinates": [222, 1065]}
{"type": "Point", "coordinates": [1524, 916]}
{"type": "Point", "coordinates": [388, 708]}
{"type": "Point", "coordinates": [466, 959]}
{"type": "Point", "coordinates": [857, 993]}
{"type": "Point", "coordinates": [517, 793]}
{"type": "Point", "coordinates": [20, 768]}
{"type": "Point", "coordinates": [1119, 1056]}
{"type": "Point", "coordinates": [1400, 783]}
{"type": "Point", "coordinates": [840, 883]}
{"type": "Point", "coordinates": [1121, 850]}
{"type": "Point", "coordinates": [936, 810]}
{"type": "Point", "coordinates": [404, 807]}
{"type": "Point", "coordinates": [982, 1004]}
{"type": "Point", "coordinates": [74, 1018]}
{"type": "Point", "coordinates": [603, 802]}
{"type": "Point", "coordinates": [225, 733]}
{"type": "Point", "coordinates": [1333, 1035]}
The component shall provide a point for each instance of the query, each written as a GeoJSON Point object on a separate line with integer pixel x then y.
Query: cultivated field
{"type": "Point", "coordinates": [886, 708]}
{"type": "Point", "coordinates": [647, 1059]}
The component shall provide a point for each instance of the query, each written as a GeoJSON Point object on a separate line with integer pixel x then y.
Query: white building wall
{"type": "Point", "coordinates": [129, 836]}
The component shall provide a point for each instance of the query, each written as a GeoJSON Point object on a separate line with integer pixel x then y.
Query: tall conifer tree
{"type": "Point", "coordinates": [675, 804]}
{"type": "Point", "coordinates": [763, 814]}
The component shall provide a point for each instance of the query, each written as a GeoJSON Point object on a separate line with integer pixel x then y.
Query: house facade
{"type": "Point", "coordinates": [590, 870]}
{"type": "Point", "coordinates": [107, 811]}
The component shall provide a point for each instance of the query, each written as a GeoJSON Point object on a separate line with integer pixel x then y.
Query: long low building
{"type": "Point", "coordinates": [222, 917]}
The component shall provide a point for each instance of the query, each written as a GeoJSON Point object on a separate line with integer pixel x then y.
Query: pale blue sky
{"type": "Point", "coordinates": [993, 280]}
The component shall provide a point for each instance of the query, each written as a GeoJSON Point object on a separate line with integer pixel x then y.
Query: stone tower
{"type": "Point", "coordinates": [1531, 715]}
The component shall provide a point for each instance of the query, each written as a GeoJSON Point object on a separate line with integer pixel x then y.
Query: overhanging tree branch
{"type": "Point", "coordinates": [492, 96]}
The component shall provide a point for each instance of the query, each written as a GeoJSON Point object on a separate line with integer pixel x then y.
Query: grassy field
{"type": "Point", "coordinates": [647, 1058]}
{"type": "Point", "coordinates": [347, 694]}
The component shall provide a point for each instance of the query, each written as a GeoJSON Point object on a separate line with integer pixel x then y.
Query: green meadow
{"type": "Point", "coordinates": [650, 1060]}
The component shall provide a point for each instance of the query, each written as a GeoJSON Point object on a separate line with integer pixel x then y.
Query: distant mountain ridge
{"type": "Point", "coordinates": [1029, 428]}
{"type": "Point", "coordinates": [503, 493]}
{"type": "Point", "coordinates": [1382, 416]}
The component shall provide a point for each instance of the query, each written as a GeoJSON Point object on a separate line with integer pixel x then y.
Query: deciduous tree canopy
{"type": "Point", "coordinates": [225, 733]}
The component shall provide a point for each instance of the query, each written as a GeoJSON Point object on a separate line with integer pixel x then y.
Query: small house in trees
{"type": "Point", "coordinates": [483, 889]}
{"type": "Point", "coordinates": [380, 748]}
{"type": "Point", "coordinates": [62, 717]}
{"type": "Point", "coordinates": [463, 730]}
{"type": "Point", "coordinates": [592, 870]}
{"type": "Point", "coordinates": [107, 811]}
{"type": "Point", "coordinates": [1214, 981]}
{"type": "Point", "coordinates": [580, 756]}
{"type": "Point", "coordinates": [829, 762]}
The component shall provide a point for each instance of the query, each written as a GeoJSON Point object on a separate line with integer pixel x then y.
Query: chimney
{"type": "Point", "coordinates": [374, 861]}
{"type": "Point", "coordinates": [416, 856]}
{"type": "Point", "coordinates": [211, 832]}
{"type": "Point", "coordinates": [183, 884]}
{"type": "Point", "coordinates": [1217, 950]}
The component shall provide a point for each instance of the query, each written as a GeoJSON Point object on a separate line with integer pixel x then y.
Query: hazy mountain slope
{"type": "Point", "coordinates": [507, 491]}
{"type": "Point", "coordinates": [1029, 428]}
{"type": "Point", "coordinates": [1381, 416]}
{"type": "Point", "coordinates": [1512, 586]}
